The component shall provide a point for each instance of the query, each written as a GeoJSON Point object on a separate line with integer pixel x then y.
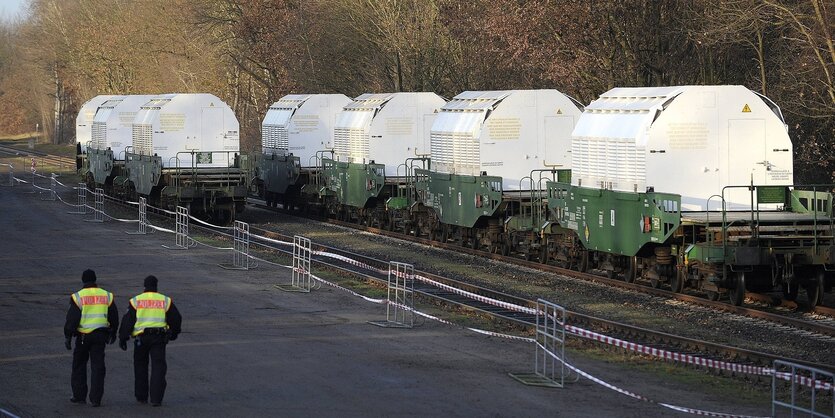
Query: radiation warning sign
{"type": "Point", "coordinates": [746, 109]}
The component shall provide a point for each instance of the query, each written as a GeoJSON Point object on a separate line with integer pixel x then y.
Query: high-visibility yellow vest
{"type": "Point", "coordinates": [93, 302]}
{"type": "Point", "coordinates": [150, 311]}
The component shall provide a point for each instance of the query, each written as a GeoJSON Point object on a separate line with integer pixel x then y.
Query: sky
{"type": "Point", "coordinates": [9, 9]}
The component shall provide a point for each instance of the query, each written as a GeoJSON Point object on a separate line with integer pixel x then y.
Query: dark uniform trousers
{"type": "Point", "coordinates": [89, 346]}
{"type": "Point", "coordinates": [151, 345]}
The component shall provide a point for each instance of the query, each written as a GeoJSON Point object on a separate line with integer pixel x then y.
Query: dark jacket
{"type": "Point", "coordinates": [74, 317]}
{"type": "Point", "coordinates": [172, 318]}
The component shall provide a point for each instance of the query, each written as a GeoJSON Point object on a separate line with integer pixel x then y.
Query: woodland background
{"type": "Point", "coordinates": [252, 52]}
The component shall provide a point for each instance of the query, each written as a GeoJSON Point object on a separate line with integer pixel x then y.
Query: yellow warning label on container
{"type": "Point", "coordinates": [746, 109]}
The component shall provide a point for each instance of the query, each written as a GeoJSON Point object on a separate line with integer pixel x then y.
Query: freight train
{"type": "Point", "coordinates": [173, 149]}
{"type": "Point", "coordinates": [689, 187]}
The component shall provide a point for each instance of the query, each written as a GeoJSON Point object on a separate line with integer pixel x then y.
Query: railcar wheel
{"type": "Point", "coordinates": [677, 281]}
{"type": "Point", "coordinates": [629, 274]}
{"type": "Point", "coordinates": [737, 291]}
{"type": "Point", "coordinates": [814, 289]}
{"type": "Point", "coordinates": [583, 264]}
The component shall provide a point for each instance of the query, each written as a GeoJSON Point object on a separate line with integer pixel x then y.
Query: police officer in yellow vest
{"type": "Point", "coordinates": [153, 320]}
{"type": "Point", "coordinates": [93, 319]}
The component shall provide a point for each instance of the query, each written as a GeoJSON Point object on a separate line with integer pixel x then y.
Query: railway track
{"type": "Point", "coordinates": [639, 335]}
{"type": "Point", "coordinates": [825, 325]}
{"type": "Point", "coordinates": [632, 333]}
{"type": "Point", "coordinates": [42, 158]}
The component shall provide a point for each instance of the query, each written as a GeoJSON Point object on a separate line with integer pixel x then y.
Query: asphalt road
{"type": "Point", "coordinates": [248, 349]}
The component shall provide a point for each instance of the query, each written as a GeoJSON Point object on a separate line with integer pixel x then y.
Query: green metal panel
{"type": "Point", "coordinates": [144, 171]}
{"type": "Point", "coordinates": [278, 172]}
{"type": "Point", "coordinates": [772, 194]}
{"type": "Point", "coordinates": [519, 223]}
{"type": "Point", "coordinates": [707, 253]}
{"type": "Point", "coordinates": [458, 199]}
{"type": "Point", "coordinates": [398, 202]}
{"type": "Point", "coordinates": [353, 184]}
{"type": "Point", "coordinates": [616, 222]}
{"type": "Point", "coordinates": [100, 164]}
{"type": "Point", "coordinates": [564, 176]}
{"type": "Point", "coordinates": [809, 201]}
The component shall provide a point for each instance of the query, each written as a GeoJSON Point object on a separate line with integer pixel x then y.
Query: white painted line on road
{"type": "Point", "coordinates": [7, 413]}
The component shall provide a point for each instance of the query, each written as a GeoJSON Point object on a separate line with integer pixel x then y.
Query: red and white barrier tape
{"type": "Point", "coordinates": [665, 354]}
{"type": "Point", "coordinates": [633, 395]}
{"type": "Point", "coordinates": [655, 352]}
{"type": "Point", "coordinates": [568, 365]}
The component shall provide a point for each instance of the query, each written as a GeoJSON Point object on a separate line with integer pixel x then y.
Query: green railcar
{"type": "Point", "coordinates": [277, 178]}
{"type": "Point", "coordinates": [215, 193]}
{"type": "Point", "coordinates": [621, 233]}
{"type": "Point", "coordinates": [460, 200]}
{"type": "Point", "coordinates": [353, 184]}
{"type": "Point", "coordinates": [101, 168]}
{"type": "Point", "coordinates": [646, 236]}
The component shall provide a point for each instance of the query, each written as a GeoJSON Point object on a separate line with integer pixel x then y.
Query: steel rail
{"type": "Point", "coordinates": [717, 305]}
{"type": "Point", "coordinates": [677, 343]}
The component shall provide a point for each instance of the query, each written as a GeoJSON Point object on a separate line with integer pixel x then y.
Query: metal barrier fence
{"type": "Point", "coordinates": [51, 195]}
{"type": "Point", "coordinates": [143, 218]}
{"type": "Point", "coordinates": [549, 365]}
{"type": "Point", "coordinates": [81, 192]}
{"type": "Point", "coordinates": [400, 309]}
{"type": "Point", "coordinates": [34, 188]}
{"type": "Point", "coordinates": [302, 254]}
{"type": "Point", "coordinates": [240, 249]}
{"type": "Point", "coordinates": [181, 238]}
{"type": "Point", "coordinates": [810, 391]}
{"type": "Point", "coordinates": [98, 209]}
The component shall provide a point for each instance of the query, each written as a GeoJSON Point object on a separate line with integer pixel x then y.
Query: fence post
{"type": "Point", "coordinates": [240, 249]}
{"type": "Point", "coordinates": [51, 188]}
{"type": "Point", "coordinates": [550, 347]}
{"type": "Point", "coordinates": [98, 208]}
{"type": "Point", "coordinates": [34, 188]}
{"type": "Point", "coordinates": [181, 237]}
{"type": "Point", "coordinates": [143, 218]}
{"type": "Point", "coordinates": [400, 306]}
{"type": "Point", "coordinates": [302, 255]}
{"type": "Point", "coordinates": [81, 193]}
{"type": "Point", "coordinates": [811, 390]}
